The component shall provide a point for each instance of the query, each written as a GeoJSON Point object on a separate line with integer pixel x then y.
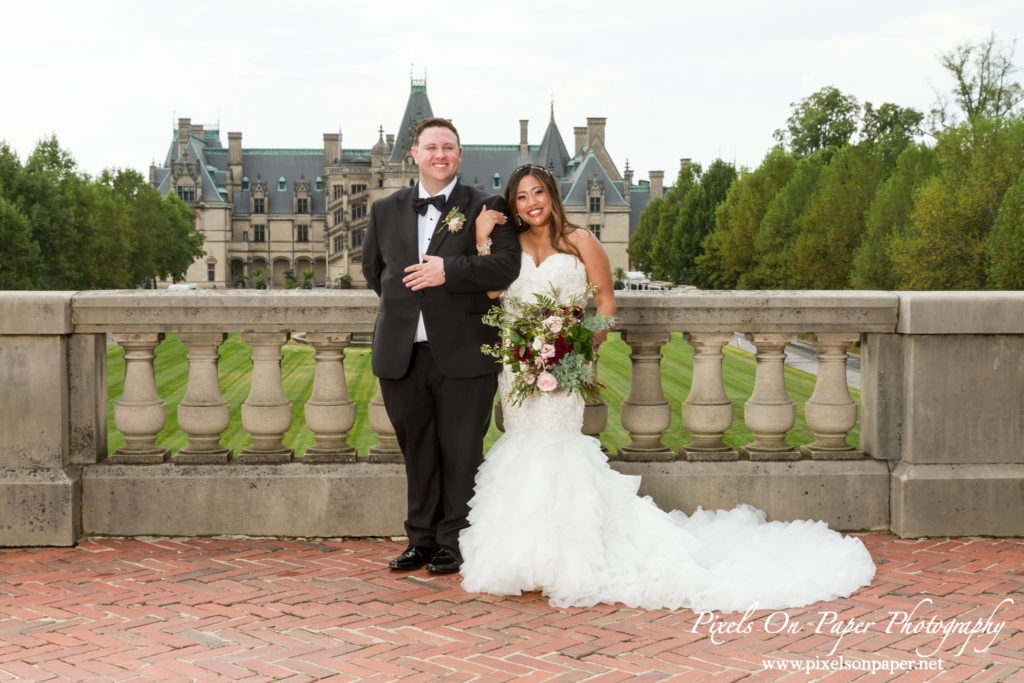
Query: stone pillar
{"type": "Point", "coordinates": [387, 450]}
{"type": "Point", "coordinates": [330, 411]}
{"type": "Point", "coordinates": [830, 412]}
{"type": "Point", "coordinates": [141, 413]}
{"type": "Point", "coordinates": [524, 147]}
{"type": "Point", "coordinates": [769, 412]}
{"type": "Point", "coordinates": [203, 414]}
{"type": "Point", "coordinates": [40, 492]}
{"type": "Point", "coordinates": [266, 413]}
{"type": "Point", "coordinates": [645, 412]}
{"type": "Point", "coordinates": [707, 411]}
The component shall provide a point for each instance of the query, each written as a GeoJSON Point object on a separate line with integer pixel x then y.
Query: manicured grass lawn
{"type": "Point", "coordinates": [297, 367]}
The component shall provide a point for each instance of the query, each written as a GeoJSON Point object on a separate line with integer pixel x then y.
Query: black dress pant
{"type": "Point", "coordinates": [440, 423]}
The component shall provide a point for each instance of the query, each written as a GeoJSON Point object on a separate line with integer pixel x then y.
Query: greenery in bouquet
{"type": "Point", "coordinates": [548, 344]}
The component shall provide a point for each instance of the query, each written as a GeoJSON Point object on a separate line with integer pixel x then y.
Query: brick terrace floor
{"type": "Point", "coordinates": [270, 609]}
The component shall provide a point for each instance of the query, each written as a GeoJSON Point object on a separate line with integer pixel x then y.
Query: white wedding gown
{"type": "Point", "coordinates": [550, 515]}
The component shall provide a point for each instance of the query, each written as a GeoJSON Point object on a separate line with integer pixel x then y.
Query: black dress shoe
{"type": "Point", "coordinates": [414, 557]}
{"type": "Point", "coordinates": [446, 560]}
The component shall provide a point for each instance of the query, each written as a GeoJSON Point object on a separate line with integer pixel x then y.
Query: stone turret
{"type": "Point", "coordinates": [524, 147]}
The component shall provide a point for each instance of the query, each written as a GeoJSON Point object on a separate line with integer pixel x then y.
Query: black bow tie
{"type": "Point", "coordinates": [420, 204]}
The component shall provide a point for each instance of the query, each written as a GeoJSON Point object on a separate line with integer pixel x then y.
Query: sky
{"type": "Point", "coordinates": [674, 79]}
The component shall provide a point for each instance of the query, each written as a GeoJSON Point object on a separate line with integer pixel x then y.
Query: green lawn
{"type": "Point", "coordinates": [297, 371]}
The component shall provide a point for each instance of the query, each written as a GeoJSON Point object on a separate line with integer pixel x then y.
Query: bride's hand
{"type": "Point", "coordinates": [485, 223]}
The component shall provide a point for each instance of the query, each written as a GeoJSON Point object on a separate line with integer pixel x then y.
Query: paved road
{"type": "Point", "coordinates": [801, 356]}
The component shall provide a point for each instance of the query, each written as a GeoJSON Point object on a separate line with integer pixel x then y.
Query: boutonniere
{"type": "Point", "coordinates": [453, 221]}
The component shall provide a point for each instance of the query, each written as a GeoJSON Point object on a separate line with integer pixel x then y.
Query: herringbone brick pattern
{"type": "Point", "coordinates": [285, 610]}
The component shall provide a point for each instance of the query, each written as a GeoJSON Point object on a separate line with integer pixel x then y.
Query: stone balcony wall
{"type": "Point", "coordinates": [941, 414]}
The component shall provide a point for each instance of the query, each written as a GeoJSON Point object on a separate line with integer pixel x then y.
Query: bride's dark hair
{"type": "Point", "coordinates": [560, 225]}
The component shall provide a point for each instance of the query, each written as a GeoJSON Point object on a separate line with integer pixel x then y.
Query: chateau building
{"type": "Point", "coordinates": [268, 212]}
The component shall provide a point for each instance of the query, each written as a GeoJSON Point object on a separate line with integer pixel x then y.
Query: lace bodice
{"type": "Point", "coordinates": [559, 411]}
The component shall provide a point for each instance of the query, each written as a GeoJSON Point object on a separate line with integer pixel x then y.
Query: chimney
{"type": "Point", "coordinates": [524, 147]}
{"type": "Point", "coordinates": [685, 161]}
{"type": "Point", "coordinates": [332, 148]}
{"type": "Point", "coordinates": [581, 138]}
{"type": "Point", "coordinates": [657, 179]}
{"type": "Point", "coordinates": [390, 138]}
{"type": "Point", "coordinates": [595, 130]}
{"type": "Point", "coordinates": [627, 178]}
{"type": "Point", "coordinates": [184, 130]}
{"type": "Point", "coordinates": [235, 149]}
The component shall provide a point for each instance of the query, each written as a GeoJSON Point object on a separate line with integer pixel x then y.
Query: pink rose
{"type": "Point", "coordinates": [529, 378]}
{"type": "Point", "coordinates": [455, 225]}
{"type": "Point", "coordinates": [547, 382]}
{"type": "Point", "coordinates": [547, 351]}
{"type": "Point", "coordinates": [553, 323]}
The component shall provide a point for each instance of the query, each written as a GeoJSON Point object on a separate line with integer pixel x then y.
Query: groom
{"type": "Point", "coordinates": [420, 255]}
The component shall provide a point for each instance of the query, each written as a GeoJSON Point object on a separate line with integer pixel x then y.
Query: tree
{"type": "Point", "coordinates": [831, 227]}
{"type": "Point", "coordinates": [825, 120]}
{"type": "Point", "coordinates": [775, 234]}
{"type": "Point", "coordinates": [641, 243]}
{"type": "Point", "coordinates": [21, 262]}
{"type": "Point", "coordinates": [666, 250]}
{"type": "Point", "coordinates": [946, 244]}
{"type": "Point", "coordinates": [890, 128]}
{"type": "Point", "coordinates": [889, 215]}
{"type": "Point", "coordinates": [1006, 241]}
{"type": "Point", "coordinates": [728, 249]}
{"type": "Point", "coordinates": [983, 87]}
{"type": "Point", "coordinates": [697, 218]}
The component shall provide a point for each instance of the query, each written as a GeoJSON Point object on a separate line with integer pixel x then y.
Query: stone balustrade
{"type": "Point", "coordinates": [941, 414]}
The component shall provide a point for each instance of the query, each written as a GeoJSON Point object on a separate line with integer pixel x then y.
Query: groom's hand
{"type": "Point", "coordinates": [430, 273]}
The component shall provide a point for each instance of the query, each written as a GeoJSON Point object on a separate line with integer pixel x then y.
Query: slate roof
{"type": "Point", "coordinates": [416, 109]}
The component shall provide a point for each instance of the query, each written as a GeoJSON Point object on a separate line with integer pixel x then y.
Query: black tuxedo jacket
{"type": "Point", "coordinates": [452, 312]}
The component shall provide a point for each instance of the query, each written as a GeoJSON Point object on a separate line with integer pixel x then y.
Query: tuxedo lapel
{"type": "Point", "coordinates": [407, 226]}
{"type": "Point", "coordinates": [458, 199]}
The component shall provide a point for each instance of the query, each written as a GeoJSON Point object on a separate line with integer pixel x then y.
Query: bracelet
{"type": "Point", "coordinates": [485, 248]}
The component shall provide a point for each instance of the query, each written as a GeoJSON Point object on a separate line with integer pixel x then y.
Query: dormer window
{"type": "Point", "coordinates": [302, 205]}
{"type": "Point", "coordinates": [282, 184]}
{"type": "Point", "coordinates": [595, 205]}
{"type": "Point", "coordinates": [259, 205]}
{"type": "Point", "coordinates": [245, 183]}
{"type": "Point", "coordinates": [496, 182]}
{"type": "Point", "coordinates": [187, 193]}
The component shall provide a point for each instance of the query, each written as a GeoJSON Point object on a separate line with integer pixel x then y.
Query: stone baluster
{"type": "Point", "coordinates": [707, 411]}
{"type": "Point", "coordinates": [645, 412]}
{"type": "Point", "coordinates": [266, 413]}
{"type": "Point", "coordinates": [595, 419]}
{"type": "Point", "coordinates": [769, 412]}
{"type": "Point", "coordinates": [203, 414]}
{"type": "Point", "coordinates": [830, 412]}
{"type": "Point", "coordinates": [140, 414]}
{"type": "Point", "coordinates": [330, 411]}
{"type": "Point", "coordinates": [387, 450]}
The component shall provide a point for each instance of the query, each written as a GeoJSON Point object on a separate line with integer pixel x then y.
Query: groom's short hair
{"type": "Point", "coordinates": [434, 122]}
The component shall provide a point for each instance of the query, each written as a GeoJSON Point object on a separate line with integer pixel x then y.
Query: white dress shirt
{"type": "Point", "coordinates": [426, 226]}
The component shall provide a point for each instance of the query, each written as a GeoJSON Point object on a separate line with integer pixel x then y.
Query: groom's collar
{"type": "Point", "coordinates": [447, 191]}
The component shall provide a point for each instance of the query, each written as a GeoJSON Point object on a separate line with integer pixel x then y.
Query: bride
{"type": "Point", "coordinates": [549, 514]}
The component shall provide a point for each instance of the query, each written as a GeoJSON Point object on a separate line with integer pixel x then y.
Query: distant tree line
{"type": "Point", "coordinates": [853, 197]}
{"type": "Point", "coordinates": [61, 229]}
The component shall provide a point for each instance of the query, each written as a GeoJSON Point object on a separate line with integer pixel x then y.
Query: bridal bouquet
{"type": "Point", "coordinates": [547, 345]}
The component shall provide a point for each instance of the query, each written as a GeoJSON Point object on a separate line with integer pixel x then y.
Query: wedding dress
{"type": "Point", "coordinates": [549, 514]}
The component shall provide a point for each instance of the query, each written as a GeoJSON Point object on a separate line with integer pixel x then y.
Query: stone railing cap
{"type": "Point", "coordinates": [31, 313]}
{"type": "Point", "coordinates": [352, 310]}
{"type": "Point", "coordinates": [961, 313]}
